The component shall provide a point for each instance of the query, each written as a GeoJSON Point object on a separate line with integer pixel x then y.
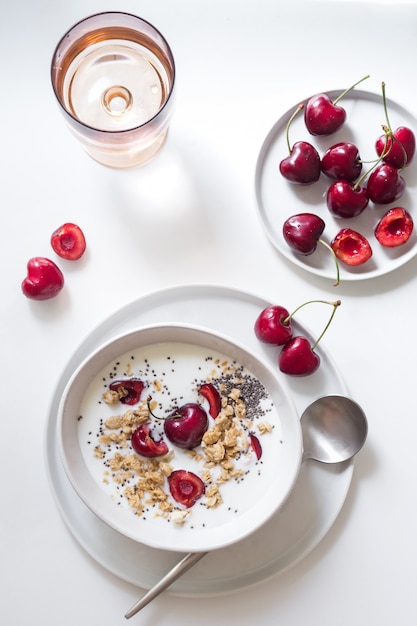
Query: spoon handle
{"type": "Point", "coordinates": [171, 576]}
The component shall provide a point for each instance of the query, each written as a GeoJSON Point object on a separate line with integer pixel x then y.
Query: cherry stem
{"type": "Point", "coordinates": [291, 315]}
{"type": "Point", "coordinates": [335, 306]}
{"type": "Point", "coordinates": [342, 95]}
{"type": "Point", "coordinates": [287, 130]}
{"type": "Point", "coordinates": [377, 162]}
{"type": "Point", "coordinates": [388, 128]}
{"type": "Point", "coordinates": [324, 243]}
{"type": "Point", "coordinates": [157, 417]}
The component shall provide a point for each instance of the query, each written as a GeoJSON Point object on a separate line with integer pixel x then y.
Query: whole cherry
{"type": "Point", "coordinates": [322, 116]}
{"type": "Point", "coordinates": [302, 165]}
{"type": "Point", "coordinates": [397, 147]}
{"type": "Point", "coordinates": [44, 279]}
{"type": "Point", "coordinates": [351, 247]}
{"type": "Point", "coordinates": [273, 325]}
{"type": "Point", "coordinates": [186, 426]}
{"type": "Point", "coordinates": [342, 161]}
{"type": "Point", "coordinates": [394, 228]}
{"type": "Point", "coordinates": [385, 184]}
{"type": "Point", "coordinates": [302, 232]}
{"type": "Point", "coordinates": [345, 199]}
{"type": "Point", "coordinates": [298, 356]}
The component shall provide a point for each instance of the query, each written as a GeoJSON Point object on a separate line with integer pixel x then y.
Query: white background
{"type": "Point", "coordinates": [190, 217]}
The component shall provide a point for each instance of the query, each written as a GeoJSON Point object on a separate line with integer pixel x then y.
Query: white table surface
{"type": "Point", "coordinates": [190, 217]}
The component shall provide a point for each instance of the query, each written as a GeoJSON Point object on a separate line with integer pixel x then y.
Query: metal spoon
{"type": "Point", "coordinates": [334, 430]}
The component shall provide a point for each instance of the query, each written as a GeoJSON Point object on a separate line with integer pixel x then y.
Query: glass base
{"type": "Point", "coordinates": [121, 159]}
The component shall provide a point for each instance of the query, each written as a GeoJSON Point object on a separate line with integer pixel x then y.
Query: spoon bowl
{"type": "Point", "coordinates": [334, 429]}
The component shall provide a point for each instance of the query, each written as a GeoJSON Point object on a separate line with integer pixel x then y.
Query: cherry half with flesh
{"type": "Point", "coordinates": [342, 161]}
{"type": "Point", "coordinates": [385, 184]}
{"type": "Point", "coordinates": [44, 279]}
{"type": "Point", "coordinates": [298, 356]}
{"type": "Point", "coordinates": [302, 232]}
{"type": "Point", "coordinates": [68, 241]}
{"type": "Point", "coordinates": [186, 426]}
{"type": "Point", "coordinates": [396, 147]}
{"type": "Point", "coordinates": [322, 116]}
{"type": "Point", "coordinates": [144, 444]}
{"type": "Point", "coordinates": [129, 390]}
{"type": "Point", "coordinates": [394, 228]}
{"type": "Point", "coordinates": [351, 247]}
{"type": "Point", "coordinates": [186, 487]}
{"type": "Point", "coordinates": [302, 165]}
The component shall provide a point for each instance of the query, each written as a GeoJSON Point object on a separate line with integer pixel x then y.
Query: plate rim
{"type": "Point", "coordinates": [184, 587]}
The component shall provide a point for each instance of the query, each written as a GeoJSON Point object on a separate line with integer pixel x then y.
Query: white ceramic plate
{"type": "Point", "coordinates": [286, 538]}
{"type": "Point", "coordinates": [278, 199]}
{"type": "Point", "coordinates": [172, 360]}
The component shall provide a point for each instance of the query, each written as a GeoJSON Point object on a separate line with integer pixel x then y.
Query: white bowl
{"type": "Point", "coordinates": [173, 360]}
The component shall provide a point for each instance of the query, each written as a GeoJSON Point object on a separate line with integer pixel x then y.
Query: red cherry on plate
{"type": "Point", "coordinates": [144, 444]}
{"type": "Point", "coordinates": [302, 232]}
{"type": "Point", "coordinates": [44, 279]}
{"type": "Point", "coordinates": [186, 426]}
{"type": "Point", "coordinates": [396, 147]}
{"type": "Point", "coordinates": [351, 247]}
{"type": "Point", "coordinates": [345, 199]}
{"type": "Point", "coordinates": [302, 165]}
{"type": "Point", "coordinates": [129, 390]}
{"type": "Point", "coordinates": [68, 241]}
{"type": "Point", "coordinates": [342, 161]}
{"type": "Point", "coordinates": [399, 147]}
{"type": "Point", "coordinates": [385, 184]}
{"type": "Point", "coordinates": [297, 357]}
{"type": "Point", "coordinates": [394, 228]}
{"type": "Point", "coordinates": [185, 487]}
{"type": "Point", "coordinates": [273, 325]}
{"type": "Point", "coordinates": [322, 116]}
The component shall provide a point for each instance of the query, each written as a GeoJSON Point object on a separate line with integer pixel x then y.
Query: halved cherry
{"type": "Point", "coordinates": [186, 487]}
{"type": "Point", "coordinates": [68, 241]}
{"type": "Point", "coordinates": [143, 443]}
{"type": "Point", "coordinates": [129, 390]}
{"type": "Point", "coordinates": [351, 247]}
{"type": "Point", "coordinates": [394, 228]}
{"type": "Point", "coordinates": [210, 393]}
{"type": "Point", "coordinates": [255, 445]}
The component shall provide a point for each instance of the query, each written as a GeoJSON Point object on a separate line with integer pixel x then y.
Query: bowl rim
{"type": "Point", "coordinates": [100, 503]}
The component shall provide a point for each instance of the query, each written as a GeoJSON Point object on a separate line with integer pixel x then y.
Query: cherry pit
{"type": "Point", "coordinates": [355, 185]}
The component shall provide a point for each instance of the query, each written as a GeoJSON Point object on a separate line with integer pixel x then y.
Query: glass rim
{"type": "Point", "coordinates": [124, 131]}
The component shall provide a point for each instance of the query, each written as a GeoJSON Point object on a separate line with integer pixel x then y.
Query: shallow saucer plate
{"type": "Point", "coordinates": [306, 517]}
{"type": "Point", "coordinates": [170, 359]}
{"type": "Point", "coordinates": [278, 199]}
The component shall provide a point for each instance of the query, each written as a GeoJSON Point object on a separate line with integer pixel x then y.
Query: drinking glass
{"type": "Point", "coordinates": [113, 74]}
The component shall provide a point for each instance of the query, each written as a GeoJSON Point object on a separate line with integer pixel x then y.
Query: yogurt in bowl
{"type": "Point", "coordinates": [128, 461]}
